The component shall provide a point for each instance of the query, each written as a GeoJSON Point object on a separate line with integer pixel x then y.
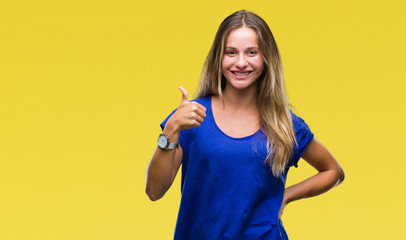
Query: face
{"type": "Point", "coordinates": [242, 61]}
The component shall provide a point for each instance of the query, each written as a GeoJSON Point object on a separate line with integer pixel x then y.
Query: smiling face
{"type": "Point", "coordinates": [242, 61]}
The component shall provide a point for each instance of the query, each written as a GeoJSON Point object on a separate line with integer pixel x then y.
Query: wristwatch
{"type": "Point", "coordinates": [164, 143]}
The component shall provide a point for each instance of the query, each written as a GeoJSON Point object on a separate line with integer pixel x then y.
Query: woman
{"type": "Point", "coordinates": [236, 142]}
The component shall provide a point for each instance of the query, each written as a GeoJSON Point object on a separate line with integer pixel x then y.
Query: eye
{"type": "Point", "coordinates": [252, 52]}
{"type": "Point", "coordinates": [230, 53]}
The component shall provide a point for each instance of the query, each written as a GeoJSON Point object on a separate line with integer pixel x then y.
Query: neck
{"type": "Point", "coordinates": [240, 100]}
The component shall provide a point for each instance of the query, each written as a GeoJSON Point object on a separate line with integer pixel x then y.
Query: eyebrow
{"type": "Point", "coordinates": [248, 48]}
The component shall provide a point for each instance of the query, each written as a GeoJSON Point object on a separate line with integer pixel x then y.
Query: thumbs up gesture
{"type": "Point", "coordinates": [184, 96]}
{"type": "Point", "coordinates": [188, 115]}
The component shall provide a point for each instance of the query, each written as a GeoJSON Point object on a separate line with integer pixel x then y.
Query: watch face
{"type": "Point", "coordinates": [162, 141]}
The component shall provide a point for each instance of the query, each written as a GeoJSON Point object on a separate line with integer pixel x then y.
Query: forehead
{"type": "Point", "coordinates": [243, 36]}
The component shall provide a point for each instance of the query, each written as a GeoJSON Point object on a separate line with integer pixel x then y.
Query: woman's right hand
{"type": "Point", "coordinates": [188, 115]}
{"type": "Point", "coordinates": [165, 163]}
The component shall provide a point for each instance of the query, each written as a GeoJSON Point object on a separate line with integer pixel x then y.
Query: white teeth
{"type": "Point", "coordinates": [241, 74]}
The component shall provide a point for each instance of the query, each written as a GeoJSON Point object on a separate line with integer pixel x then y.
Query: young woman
{"type": "Point", "coordinates": [237, 141]}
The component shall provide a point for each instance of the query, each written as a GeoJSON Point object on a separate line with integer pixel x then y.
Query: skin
{"type": "Point", "coordinates": [330, 174]}
{"type": "Point", "coordinates": [236, 115]}
{"type": "Point", "coordinates": [164, 164]}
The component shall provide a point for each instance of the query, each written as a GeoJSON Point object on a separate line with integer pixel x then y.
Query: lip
{"type": "Point", "coordinates": [241, 77]}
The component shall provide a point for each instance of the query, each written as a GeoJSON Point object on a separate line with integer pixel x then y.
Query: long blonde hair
{"type": "Point", "coordinates": [272, 102]}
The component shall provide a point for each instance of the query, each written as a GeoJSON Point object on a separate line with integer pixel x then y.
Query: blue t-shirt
{"type": "Point", "coordinates": [228, 192]}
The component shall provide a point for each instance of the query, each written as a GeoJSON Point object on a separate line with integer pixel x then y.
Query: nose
{"type": "Point", "coordinates": [241, 62]}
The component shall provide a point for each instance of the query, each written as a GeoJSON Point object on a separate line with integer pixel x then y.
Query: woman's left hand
{"type": "Point", "coordinates": [281, 210]}
{"type": "Point", "coordinates": [284, 203]}
{"type": "Point", "coordinates": [329, 174]}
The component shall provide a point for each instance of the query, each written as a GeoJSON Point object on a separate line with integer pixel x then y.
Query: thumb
{"type": "Point", "coordinates": [184, 95]}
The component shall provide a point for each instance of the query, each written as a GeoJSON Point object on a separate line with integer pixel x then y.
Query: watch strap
{"type": "Point", "coordinates": [172, 145]}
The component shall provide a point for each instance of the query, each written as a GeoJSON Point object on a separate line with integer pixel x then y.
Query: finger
{"type": "Point", "coordinates": [184, 95]}
{"type": "Point", "coordinates": [198, 105]}
{"type": "Point", "coordinates": [199, 118]}
{"type": "Point", "coordinates": [200, 113]}
{"type": "Point", "coordinates": [201, 107]}
{"type": "Point", "coordinates": [281, 210]}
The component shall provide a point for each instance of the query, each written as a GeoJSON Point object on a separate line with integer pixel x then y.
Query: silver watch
{"type": "Point", "coordinates": [164, 143]}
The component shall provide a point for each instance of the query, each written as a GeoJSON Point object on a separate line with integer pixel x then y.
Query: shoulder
{"type": "Point", "coordinates": [302, 131]}
{"type": "Point", "coordinates": [298, 123]}
{"type": "Point", "coordinates": [205, 101]}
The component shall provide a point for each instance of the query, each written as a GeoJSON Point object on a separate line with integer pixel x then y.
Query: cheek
{"type": "Point", "coordinates": [259, 70]}
{"type": "Point", "coordinates": [259, 62]}
{"type": "Point", "coordinates": [259, 65]}
{"type": "Point", "coordinates": [225, 64]}
{"type": "Point", "coordinates": [223, 68]}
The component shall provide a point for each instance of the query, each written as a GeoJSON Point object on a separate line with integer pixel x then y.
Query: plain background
{"type": "Point", "coordinates": [85, 84]}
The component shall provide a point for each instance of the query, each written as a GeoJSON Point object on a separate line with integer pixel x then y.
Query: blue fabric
{"type": "Point", "coordinates": [227, 190]}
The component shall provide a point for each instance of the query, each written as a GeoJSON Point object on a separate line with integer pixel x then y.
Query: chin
{"type": "Point", "coordinates": [241, 86]}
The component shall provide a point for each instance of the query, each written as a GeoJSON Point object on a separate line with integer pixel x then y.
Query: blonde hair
{"type": "Point", "coordinates": [272, 102]}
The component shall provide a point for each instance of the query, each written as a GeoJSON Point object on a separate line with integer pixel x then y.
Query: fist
{"type": "Point", "coordinates": [189, 114]}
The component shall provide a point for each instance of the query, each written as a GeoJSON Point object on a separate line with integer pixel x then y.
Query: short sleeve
{"type": "Point", "coordinates": [303, 138]}
{"type": "Point", "coordinates": [163, 124]}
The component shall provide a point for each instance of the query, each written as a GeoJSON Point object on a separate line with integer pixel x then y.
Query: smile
{"type": "Point", "coordinates": [241, 73]}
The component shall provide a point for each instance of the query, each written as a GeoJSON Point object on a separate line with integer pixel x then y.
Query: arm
{"type": "Point", "coordinates": [164, 163]}
{"type": "Point", "coordinates": [162, 170]}
{"type": "Point", "coordinates": [330, 174]}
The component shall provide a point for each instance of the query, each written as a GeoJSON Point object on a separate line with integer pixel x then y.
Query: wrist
{"type": "Point", "coordinates": [287, 198]}
{"type": "Point", "coordinates": [172, 131]}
